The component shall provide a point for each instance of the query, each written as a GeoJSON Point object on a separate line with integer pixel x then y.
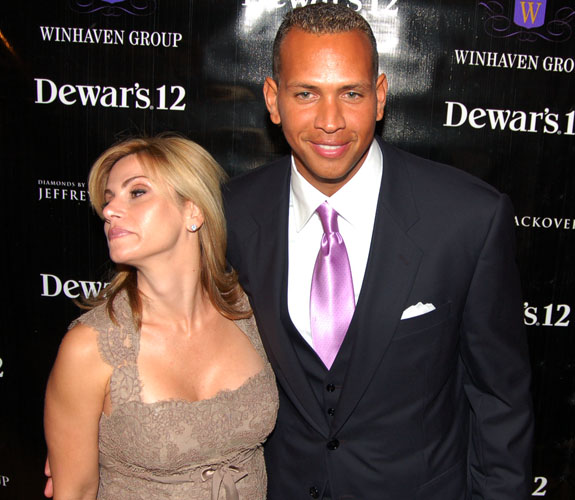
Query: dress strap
{"type": "Point", "coordinates": [119, 345]}
{"type": "Point", "coordinates": [250, 329]}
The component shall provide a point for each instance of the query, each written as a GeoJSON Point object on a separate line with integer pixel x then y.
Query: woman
{"type": "Point", "coordinates": [162, 390]}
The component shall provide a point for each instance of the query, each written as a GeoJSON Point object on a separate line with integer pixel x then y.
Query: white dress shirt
{"type": "Point", "coordinates": [356, 204]}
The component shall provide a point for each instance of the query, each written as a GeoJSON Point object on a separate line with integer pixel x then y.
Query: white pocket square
{"type": "Point", "coordinates": [417, 310]}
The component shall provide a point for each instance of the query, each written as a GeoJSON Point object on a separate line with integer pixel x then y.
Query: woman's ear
{"type": "Point", "coordinates": [193, 216]}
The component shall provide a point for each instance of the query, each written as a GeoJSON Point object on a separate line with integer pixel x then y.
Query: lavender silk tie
{"type": "Point", "coordinates": [332, 301]}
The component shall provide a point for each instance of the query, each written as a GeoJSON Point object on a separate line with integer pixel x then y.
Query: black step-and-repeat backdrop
{"type": "Point", "coordinates": [487, 86]}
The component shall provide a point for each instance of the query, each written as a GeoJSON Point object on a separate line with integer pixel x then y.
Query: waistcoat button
{"type": "Point", "coordinates": [333, 444]}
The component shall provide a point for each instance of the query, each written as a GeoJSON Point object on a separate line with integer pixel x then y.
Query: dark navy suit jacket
{"type": "Point", "coordinates": [436, 407]}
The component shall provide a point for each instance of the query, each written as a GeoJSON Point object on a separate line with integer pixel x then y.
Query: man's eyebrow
{"type": "Point", "coordinates": [302, 85]}
{"type": "Point", "coordinates": [349, 86]}
{"type": "Point", "coordinates": [356, 86]}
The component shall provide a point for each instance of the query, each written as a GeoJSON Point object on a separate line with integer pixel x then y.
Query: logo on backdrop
{"type": "Point", "coordinates": [114, 7]}
{"type": "Point", "coordinates": [513, 120]}
{"type": "Point", "coordinates": [549, 315]}
{"type": "Point", "coordinates": [529, 14]}
{"type": "Point", "coordinates": [375, 8]}
{"type": "Point", "coordinates": [262, 5]}
{"type": "Point", "coordinates": [529, 21]}
{"type": "Point", "coordinates": [165, 97]}
{"type": "Point", "coordinates": [62, 190]}
{"type": "Point", "coordinates": [505, 60]}
{"type": "Point", "coordinates": [53, 286]}
{"type": "Point", "coordinates": [104, 36]}
{"type": "Point", "coordinates": [557, 223]}
{"type": "Point", "coordinates": [1, 372]}
{"type": "Point", "coordinates": [4, 481]}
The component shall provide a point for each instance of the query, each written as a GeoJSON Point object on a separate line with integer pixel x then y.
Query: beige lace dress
{"type": "Point", "coordinates": [209, 449]}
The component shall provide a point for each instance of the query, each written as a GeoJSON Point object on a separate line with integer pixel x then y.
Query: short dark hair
{"type": "Point", "coordinates": [323, 18]}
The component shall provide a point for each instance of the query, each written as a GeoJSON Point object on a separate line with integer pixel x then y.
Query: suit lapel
{"type": "Point", "coordinates": [269, 247]}
{"type": "Point", "coordinates": [391, 269]}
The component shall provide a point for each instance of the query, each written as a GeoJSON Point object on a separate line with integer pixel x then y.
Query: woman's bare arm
{"type": "Point", "coordinates": [75, 398]}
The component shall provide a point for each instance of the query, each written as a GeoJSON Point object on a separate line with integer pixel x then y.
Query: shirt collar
{"type": "Point", "coordinates": [355, 198]}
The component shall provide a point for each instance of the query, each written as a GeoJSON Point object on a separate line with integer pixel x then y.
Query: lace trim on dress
{"type": "Point", "coordinates": [119, 346]}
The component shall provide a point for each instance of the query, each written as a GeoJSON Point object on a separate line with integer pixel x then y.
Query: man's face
{"type": "Point", "coordinates": [327, 101]}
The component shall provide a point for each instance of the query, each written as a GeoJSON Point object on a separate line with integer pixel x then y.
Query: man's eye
{"type": "Point", "coordinates": [353, 95]}
{"type": "Point", "coordinates": [304, 95]}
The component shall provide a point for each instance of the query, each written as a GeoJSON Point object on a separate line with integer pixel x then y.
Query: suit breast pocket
{"type": "Point", "coordinates": [419, 324]}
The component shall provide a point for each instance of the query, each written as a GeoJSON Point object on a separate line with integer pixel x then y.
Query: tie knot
{"type": "Point", "coordinates": [328, 218]}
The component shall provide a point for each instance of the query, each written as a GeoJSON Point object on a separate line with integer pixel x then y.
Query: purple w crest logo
{"type": "Point", "coordinates": [528, 21]}
{"type": "Point", "coordinates": [530, 13]}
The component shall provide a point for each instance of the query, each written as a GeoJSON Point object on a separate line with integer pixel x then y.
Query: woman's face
{"type": "Point", "coordinates": [142, 222]}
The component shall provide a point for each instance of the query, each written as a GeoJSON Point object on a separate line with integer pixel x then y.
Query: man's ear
{"type": "Point", "coordinates": [271, 98]}
{"type": "Point", "coordinates": [381, 93]}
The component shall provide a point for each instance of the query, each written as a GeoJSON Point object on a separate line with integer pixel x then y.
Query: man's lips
{"type": "Point", "coordinates": [330, 150]}
{"type": "Point", "coordinates": [117, 232]}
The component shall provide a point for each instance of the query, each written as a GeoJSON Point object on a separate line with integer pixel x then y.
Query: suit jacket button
{"type": "Point", "coordinates": [331, 412]}
{"type": "Point", "coordinates": [314, 492]}
{"type": "Point", "coordinates": [330, 387]}
{"type": "Point", "coordinates": [333, 445]}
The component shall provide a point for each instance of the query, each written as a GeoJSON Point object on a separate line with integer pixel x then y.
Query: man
{"type": "Point", "coordinates": [426, 393]}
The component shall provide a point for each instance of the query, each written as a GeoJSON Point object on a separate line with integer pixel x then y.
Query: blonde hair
{"type": "Point", "coordinates": [192, 174]}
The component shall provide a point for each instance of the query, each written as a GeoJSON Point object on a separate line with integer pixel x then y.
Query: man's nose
{"type": "Point", "coordinates": [329, 116]}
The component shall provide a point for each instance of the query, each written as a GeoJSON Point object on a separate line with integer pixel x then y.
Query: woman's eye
{"type": "Point", "coordinates": [137, 192]}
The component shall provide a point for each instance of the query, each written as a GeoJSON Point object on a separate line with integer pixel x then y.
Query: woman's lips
{"type": "Point", "coordinates": [117, 232]}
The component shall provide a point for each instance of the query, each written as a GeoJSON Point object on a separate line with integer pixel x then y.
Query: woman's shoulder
{"type": "Point", "coordinates": [96, 318]}
{"type": "Point", "coordinates": [249, 327]}
{"type": "Point", "coordinates": [99, 317]}
{"type": "Point", "coordinates": [115, 337]}
{"type": "Point", "coordinates": [79, 353]}
{"type": "Point", "coordinates": [81, 340]}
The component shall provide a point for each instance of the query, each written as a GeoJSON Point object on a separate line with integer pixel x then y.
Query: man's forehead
{"type": "Point", "coordinates": [299, 44]}
{"type": "Point", "coordinates": [326, 56]}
